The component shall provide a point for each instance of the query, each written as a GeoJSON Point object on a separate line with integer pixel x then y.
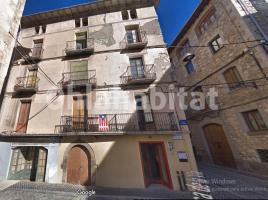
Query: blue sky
{"type": "Point", "coordinates": [173, 14]}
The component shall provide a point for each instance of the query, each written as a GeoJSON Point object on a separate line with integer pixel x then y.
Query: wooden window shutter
{"type": "Point", "coordinates": [23, 117]}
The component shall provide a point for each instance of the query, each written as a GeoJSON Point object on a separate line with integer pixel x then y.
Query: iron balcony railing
{"type": "Point", "coordinates": [131, 122]}
{"type": "Point", "coordinates": [137, 40]}
{"type": "Point", "coordinates": [26, 83]}
{"type": "Point", "coordinates": [79, 78]}
{"type": "Point", "coordinates": [36, 53]}
{"type": "Point", "coordinates": [143, 74]}
{"type": "Point", "coordinates": [79, 46]}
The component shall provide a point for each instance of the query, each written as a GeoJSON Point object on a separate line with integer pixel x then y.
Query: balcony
{"type": "Point", "coordinates": [79, 47]}
{"type": "Point", "coordinates": [26, 85]}
{"type": "Point", "coordinates": [135, 41]}
{"type": "Point", "coordinates": [134, 122]}
{"type": "Point", "coordinates": [79, 80]}
{"type": "Point", "coordinates": [35, 55]}
{"type": "Point", "coordinates": [135, 76]}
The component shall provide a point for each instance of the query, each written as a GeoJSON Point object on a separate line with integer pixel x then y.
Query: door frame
{"type": "Point", "coordinates": [93, 165]}
{"type": "Point", "coordinates": [169, 184]}
{"type": "Point", "coordinates": [82, 148]}
{"type": "Point", "coordinates": [208, 146]}
{"type": "Point", "coordinates": [25, 101]}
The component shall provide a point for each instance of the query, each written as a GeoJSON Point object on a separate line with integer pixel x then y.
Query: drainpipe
{"type": "Point", "coordinates": [245, 9]}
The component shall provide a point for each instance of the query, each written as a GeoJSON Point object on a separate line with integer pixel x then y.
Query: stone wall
{"type": "Point", "coordinates": [232, 28]}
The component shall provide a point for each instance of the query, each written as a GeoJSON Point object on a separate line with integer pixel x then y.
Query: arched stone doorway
{"type": "Point", "coordinates": [218, 145]}
{"type": "Point", "coordinates": [79, 164]}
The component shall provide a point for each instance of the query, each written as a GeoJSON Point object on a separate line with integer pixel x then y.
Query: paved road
{"type": "Point", "coordinates": [43, 191]}
{"type": "Point", "coordinates": [231, 184]}
{"type": "Point", "coordinates": [225, 184]}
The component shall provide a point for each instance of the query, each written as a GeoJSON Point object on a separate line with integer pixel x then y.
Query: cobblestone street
{"type": "Point", "coordinates": [42, 191]}
{"type": "Point", "coordinates": [225, 184]}
{"type": "Point", "coordinates": [230, 184]}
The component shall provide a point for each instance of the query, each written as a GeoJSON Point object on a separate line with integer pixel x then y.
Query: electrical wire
{"type": "Point", "coordinates": [223, 44]}
{"type": "Point", "coordinates": [38, 112]}
{"type": "Point", "coordinates": [27, 59]}
{"type": "Point", "coordinates": [33, 65]}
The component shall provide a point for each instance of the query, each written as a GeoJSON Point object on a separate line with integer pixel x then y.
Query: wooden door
{"type": "Point", "coordinates": [79, 113]}
{"type": "Point", "coordinates": [219, 146]}
{"type": "Point", "coordinates": [23, 117]}
{"type": "Point", "coordinates": [78, 167]}
{"type": "Point", "coordinates": [155, 166]}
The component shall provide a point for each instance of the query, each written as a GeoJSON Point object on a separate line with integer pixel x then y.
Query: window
{"type": "Point", "coordinates": [37, 49]}
{"type": "Point", "coordinates": [184, 49]}
{"type": "Point", "coordinates": [77, 23]}
{"type": "Point", "coordinates": [144, 110]}
{"type": "Point", "coordinates": [204, 24]}
{"type": "Point", "coordinates": [133, 14]}
{"type": "Point", "coordinates": [79, 70]}
{"type": "Point", "coordinates": [263, 154]}
{"type": "Point", "coordinates": [254, 120]}
{"type": "Point", "coordinates": [44, 28]}
{"type": "Point", "coordinates": [233, 78]}
{"type": "Point", "coordinates": [37, 29]}
{"type": "Point", "coordinates": [133, 35]}
{"type": "Point", "coordinates": [190, 67]}
{"type": "Point", "coordinates": [125, 15]}
{"type": "Point", "coordinates": [28, 163]}
{"type": "Point", "coordinates": [216, 44]}
{"type": "Point", "coordinates": [182, 156]}
{"type": "Point", "coordinates": [136, 67]}
{"type": "Point", "coordinates": [85, 21]}
{"type": "Point", "coordinates": [32, 79]}
{"type": "Point", "coordinates": [81, 40]}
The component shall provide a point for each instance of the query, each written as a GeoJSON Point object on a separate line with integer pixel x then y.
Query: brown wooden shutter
{"type": "Point", "coordinates": [23, 117]}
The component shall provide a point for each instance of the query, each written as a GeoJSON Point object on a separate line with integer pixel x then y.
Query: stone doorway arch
{"type": "Point", "coordinates": [92, 162]}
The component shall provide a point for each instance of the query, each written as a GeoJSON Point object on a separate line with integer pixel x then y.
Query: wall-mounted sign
{"type": "Point", "coordinates": [171, 146]}
{"type": "Point", "coordinates": [177, 136]}
{"type": "Point", "coordinates": [183, 122]}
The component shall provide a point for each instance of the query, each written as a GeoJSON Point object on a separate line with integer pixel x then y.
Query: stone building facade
{"type": "Point", "coordinates": [228, 40]}
{"type": "Point", "coordinates": [11, 12]}
{"type": "Point", "coordinates": [79, 103]}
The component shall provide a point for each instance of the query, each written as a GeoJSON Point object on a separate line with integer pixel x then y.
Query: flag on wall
{"type": "Point", "coordinates": [103, 123]}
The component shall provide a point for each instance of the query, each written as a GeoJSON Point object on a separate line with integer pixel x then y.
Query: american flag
{"type": "Point", "coordinates": [103, 123]}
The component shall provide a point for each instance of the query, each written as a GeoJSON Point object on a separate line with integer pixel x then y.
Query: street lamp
{"type": "Point", "coordinates": [188, 57]}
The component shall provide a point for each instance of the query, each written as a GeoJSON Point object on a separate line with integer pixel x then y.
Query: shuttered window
{"type": "Point", "coordinates": [254, 120]}
{"type": "Point", "coordinates": [233, 78]}
{"type": "Point", "coordinates": [79, 70]}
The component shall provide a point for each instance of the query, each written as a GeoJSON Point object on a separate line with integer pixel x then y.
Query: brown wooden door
{"type": "Point", "coordinates": [79, 113]}
{"type": "Point", "coordinates": [78, 168]}
{"type": "Point", "coordinates": [23, 117]}
{"type": "Point", "coordinates": [219, 146]}
{"type": "Point", "coordinates": [155, 166]}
